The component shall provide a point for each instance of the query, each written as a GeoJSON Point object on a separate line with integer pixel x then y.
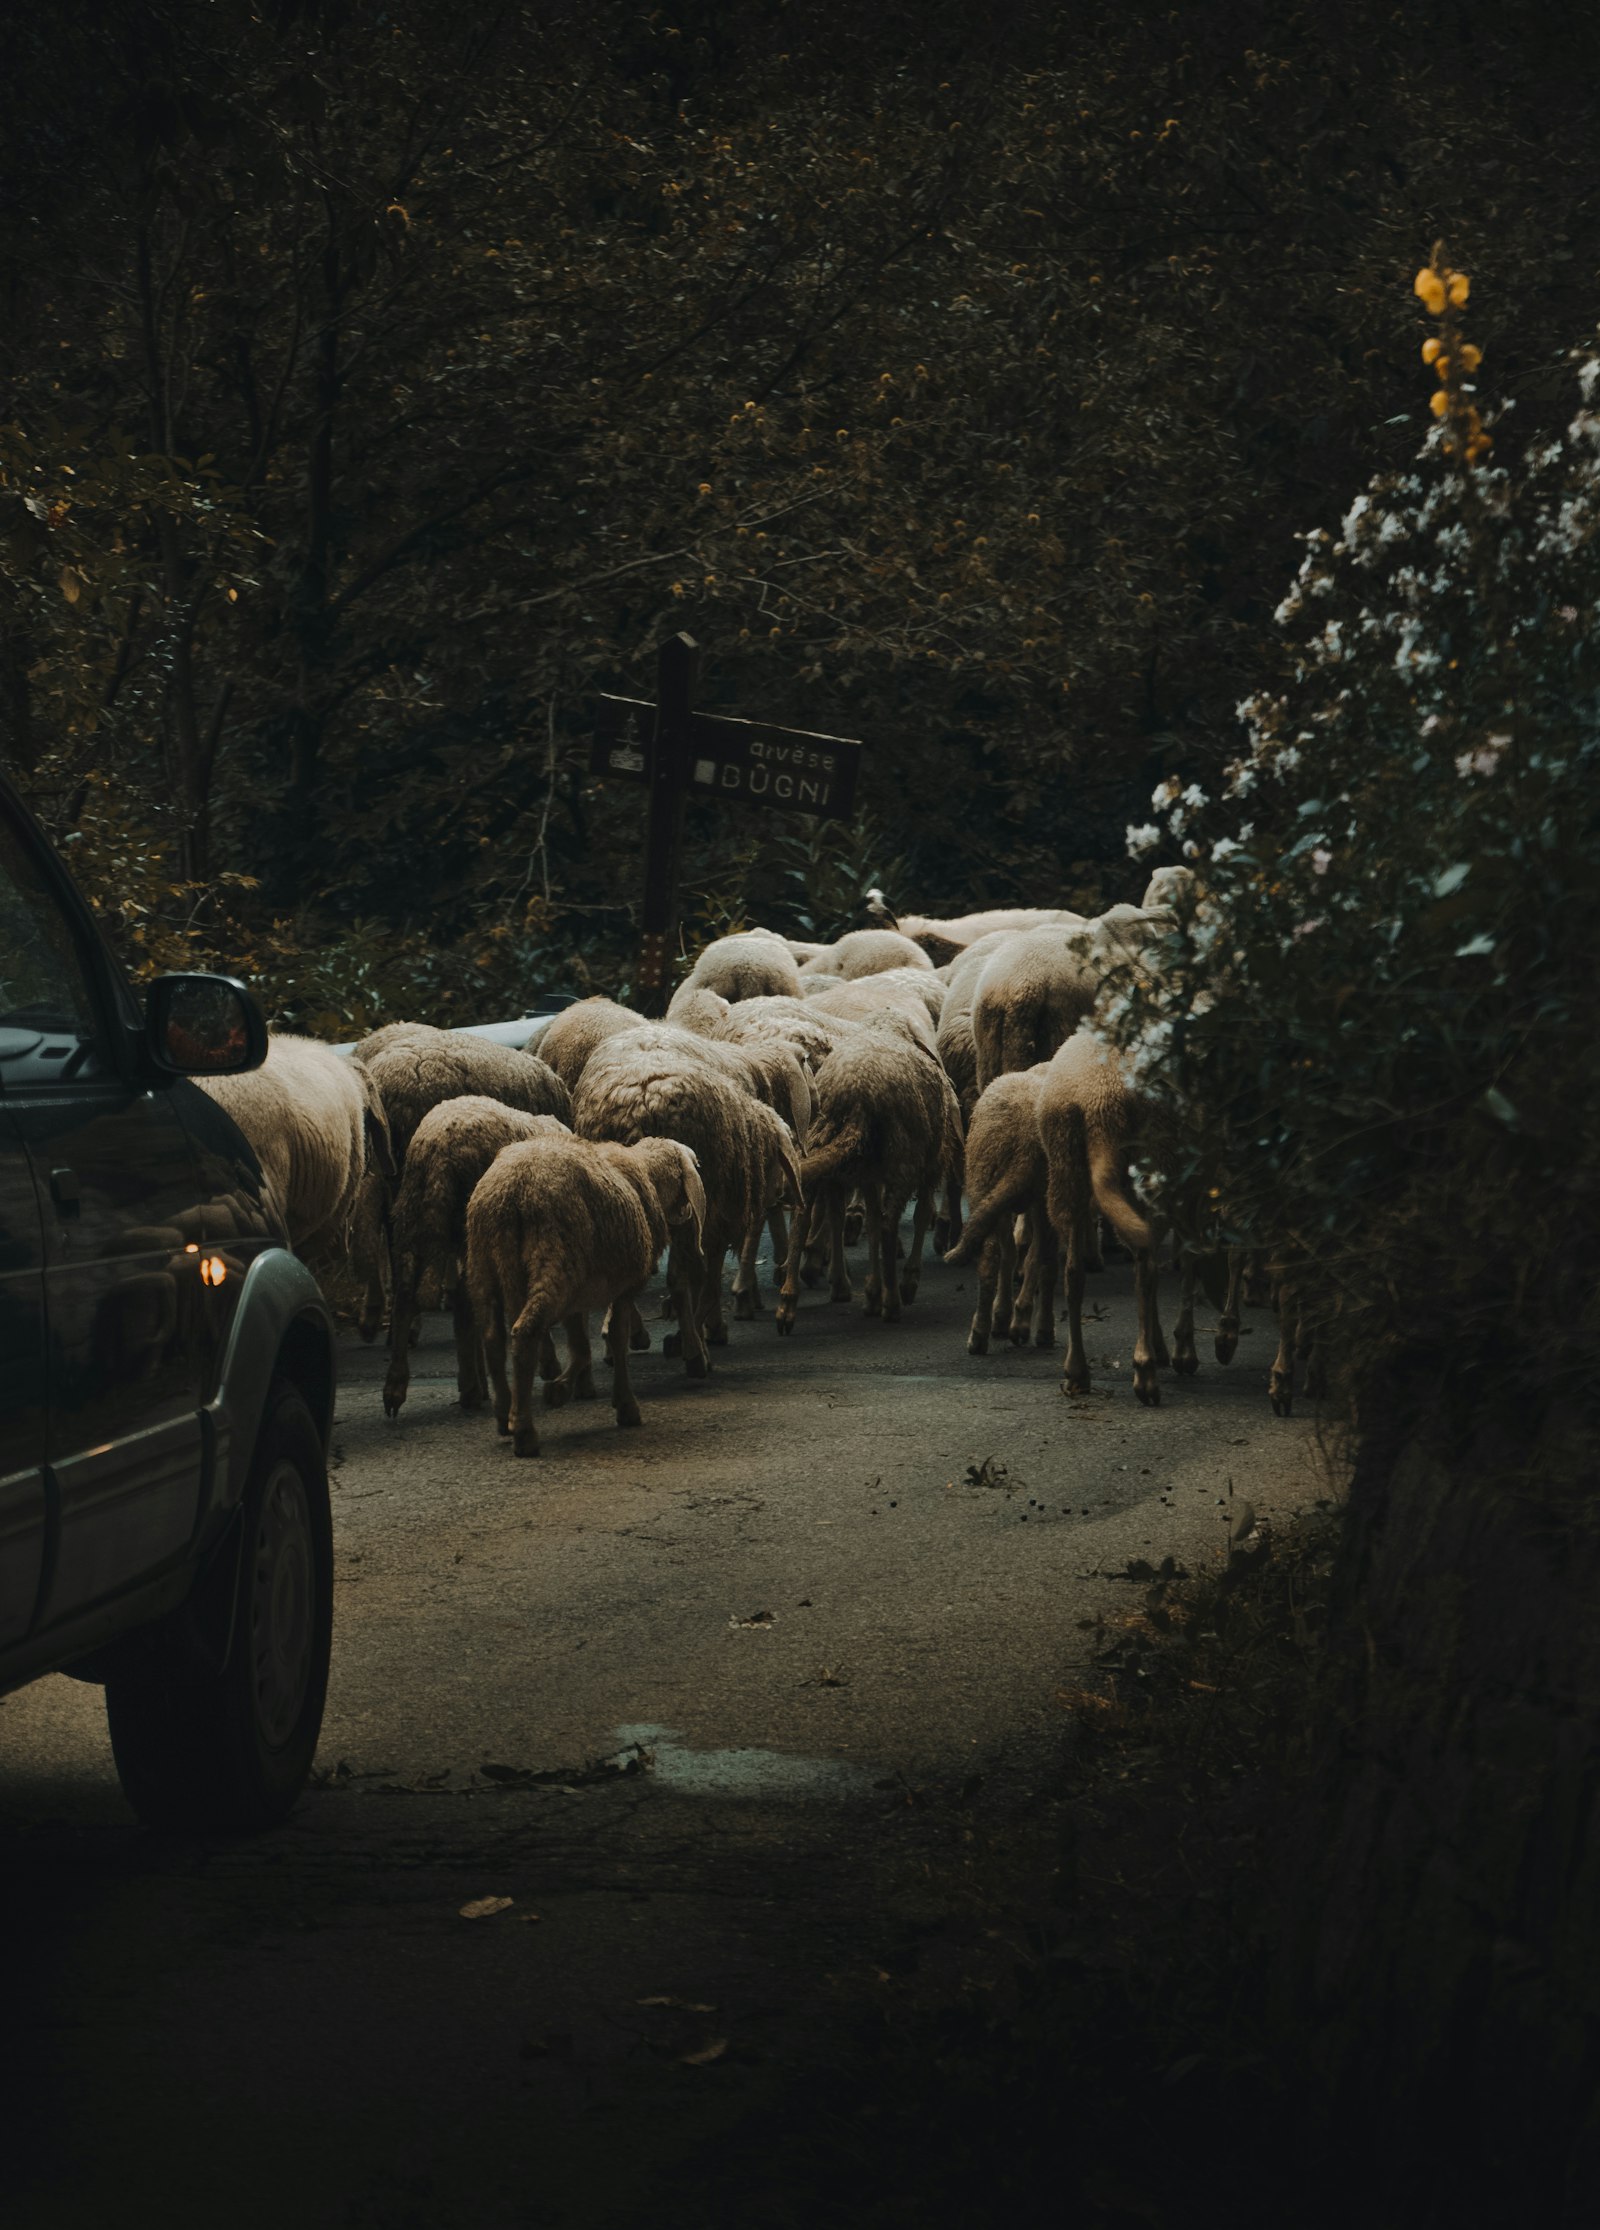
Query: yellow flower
{"type": "Point", "coordinates": [1438, 402]}
{"type": "Point", "coordinates": [1431, 347]}
{"type": "Point", "coordinates": [1460, 288]}
{"type": "Point", "coordinates": [1471, 356]}
{"type": "Point", "coordinates": [1428, 288]}
{"type": "Point", "coordinates": [1442, 368]}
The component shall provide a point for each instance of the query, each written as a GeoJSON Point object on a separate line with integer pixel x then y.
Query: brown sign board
{"type": "Point", "coordinates": [748, 762]}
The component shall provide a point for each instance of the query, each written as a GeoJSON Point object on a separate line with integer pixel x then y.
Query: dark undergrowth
{"type": "Point", "coordinates": [1093, 2047]}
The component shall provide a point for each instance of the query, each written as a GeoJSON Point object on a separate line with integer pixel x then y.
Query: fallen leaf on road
{"type": "Point", "coordinates": [706, 2054]}
{"type": "Point", "coordinates": [756, 1618]}
{"type": "Point", "coordinates": [482, 1908]}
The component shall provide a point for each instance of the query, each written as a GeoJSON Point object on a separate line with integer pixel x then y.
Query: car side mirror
{"type": "Point", "coordinates": [203, 1026]}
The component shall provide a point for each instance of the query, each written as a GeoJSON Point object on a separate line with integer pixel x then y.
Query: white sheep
{"type": "Point", "coordinates": [944, 938]}
{"type": "Point", "coordinates": [555, 1228]}
{"type": "Point", "coordinates": [1039, 987]}
{"type": "Point", "coordinates": [317, 1123]}
{"type": "Point", "coordinates": [572, 1035]}
{"type": "Point", "coordinates": [451, 1149]}
{"type": "Point", "coordinates": [867, 998]}
{"type": "Point", "coordinates": [752, 965]}
{"type": "Point", "coordinates": [1006, 1181]}
{"type": "Point", "coordinates": [661, 1082]}
{"type": "Point", "coordinates": [887, 1122]}
{"type": "Point", "coordinates": [866, 952]}
{"type": "Point", "coordinates": [694, 1007]}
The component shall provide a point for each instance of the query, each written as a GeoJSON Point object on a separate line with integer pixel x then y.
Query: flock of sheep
{"type": "Point", "coordinates": [793, 1088]}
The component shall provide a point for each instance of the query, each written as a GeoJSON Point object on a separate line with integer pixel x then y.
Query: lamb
{"type": "Point", "coordinates": [887, 1121]}
{"type": "Point", "coordinates": [1006, 1179]}
{"type": "Point", "coordinates": [559, 1226]}
{"type": "Point", "coordinates": [645, 1084]}
{"type": "Point", "coordinates": [450, 1151]}
{"type": "Point", "coordinates": [415, 1067]}
{"type": "Point", "coordinates": [574, 1033]}
{"type": "Point", "coordinates": [751, 966]}
{"type": "Point", "coordinates": [317, 1123]}
{"type": "Point", "coordinates": [866, 952]}
{"type": "Point", "coordinates": [1040, 986]}
{"type": "Point", "coordinates": [945, 939]}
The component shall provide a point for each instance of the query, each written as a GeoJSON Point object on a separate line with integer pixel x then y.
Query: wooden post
{"type": "Point", "coordinates": [677, 677]}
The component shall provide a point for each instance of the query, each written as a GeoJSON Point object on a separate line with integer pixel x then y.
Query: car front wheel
{"type": "Point", "coordinates": [198, 1748]}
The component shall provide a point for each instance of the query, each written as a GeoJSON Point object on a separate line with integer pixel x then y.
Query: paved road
{"type": "Point", "coordinates": [724, 1702]}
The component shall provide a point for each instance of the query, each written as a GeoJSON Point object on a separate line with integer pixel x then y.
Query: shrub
{"type": "Point", "coordinates": [1380, 1017]}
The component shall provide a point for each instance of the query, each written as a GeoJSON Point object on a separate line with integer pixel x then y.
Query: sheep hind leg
{"type": "Point", "coordinates": [789, 1290]}
{"type": "Point", "coordinates": [747, 1280]}
{"type": "Point", "coordinates": [1149, 1348]}
{"type": "Point", "coordinates": [911, 1272]}
{"type": "Point", "coordinates": [1005, 1299]}
{"type": "Point", "coordinates": [1045, 1251]}
{"type": "Point", "coordinates": [472, 1386]}
{"type": "Point", "coordinates": [527, 1336]}
{"type": "Point", "coordinates": [686, 1269]}
{"type": "Point", "coordinates": [813, 1219]}
{"type": "Point", "coordinates": [1185, 1355]}
{"type": "Point", "coordinates": [1227, 1339]}
{"type": "Point", "coordinates": [622, 1313]}
{"type": "Point", "coordinates": [397, 1379]}
{"type": "Point", "coordinates": [988, 1281]}
{"type": "Point", "coordinates": [840, 1288]}
{"type": "Point", "coordinates": [890, 1213]}
{"type": "Point", "coordinates": [580, 1358]}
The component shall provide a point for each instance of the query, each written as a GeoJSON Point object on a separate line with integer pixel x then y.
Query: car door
{"type": "Point", "coordinates": [115, 1176]}
{"type": "Point", "coordinates": [22, 1373]}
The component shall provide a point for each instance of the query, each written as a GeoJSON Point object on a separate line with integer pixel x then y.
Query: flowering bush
{"type": "Point", "coordinates": [1381, 1020]}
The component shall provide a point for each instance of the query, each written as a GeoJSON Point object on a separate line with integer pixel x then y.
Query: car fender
{"type": "Point", "coordinates": [282, 1327]}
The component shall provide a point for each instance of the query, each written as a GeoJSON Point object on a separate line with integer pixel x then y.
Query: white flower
{"type": "Point", "coordinates": [1191, 849]}
{"type": "Point", "coordinates": [1224, 848]}
{"type": "Point", "coordinates": [1485, 759]}
{"type": "Point", "coordinates": [1143, 839]}
{"type": "Point", "coordinates": [1166, 792]}
{"type": "Point", "coordinates": [1194, 796]}
{"type": "Point", "coordinates": [1321, 860]}
{"type": "Point", "coordinates": [1287, 760]}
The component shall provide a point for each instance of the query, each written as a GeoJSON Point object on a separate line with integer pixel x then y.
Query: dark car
{"type": "Point", "coordinates": [166, 1372]}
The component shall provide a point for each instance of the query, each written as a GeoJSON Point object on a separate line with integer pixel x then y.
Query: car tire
{"type": "Point", "coordinates": [198, 1748]}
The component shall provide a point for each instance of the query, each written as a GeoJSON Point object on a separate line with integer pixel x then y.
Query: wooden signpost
{"type": "Point", "coordinates": [678, 753]}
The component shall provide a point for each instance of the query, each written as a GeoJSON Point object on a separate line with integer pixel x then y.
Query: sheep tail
{"type": "Point", "coordinates": [825, 1162]}
{"type": "Point", "coordinates": [1108, 1181]}
{"type": "Point", "coordinates": [982, 1217]}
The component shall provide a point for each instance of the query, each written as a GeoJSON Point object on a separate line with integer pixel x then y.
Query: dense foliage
{"type": "Point", "coordinates": [385, 380]}
{"type": "Point", "coordinates": [1384, 1021]}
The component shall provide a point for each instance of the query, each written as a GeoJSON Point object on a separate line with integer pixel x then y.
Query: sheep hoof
{"type": "Point", "coordinates": [501, 1427]}
{"type": "Point", "coordinates": [1075, 1384]}
{"type": "Point", "coordinates": [1186, 1364]}
{"type": "Point", "coordinates": [1282, 1396]}
{"type": "Point", "coordinates": [698, 1366]}
{"type": "Point", "coordinates": [526, 1442]}
{"type": "Point", "coordinates": [1227, 1345]}
{"type": "Point", "coordinates": [977, 1342]}
{"type": "Point", "coordinates": [628, 1413]}
{"type": "Point", "coordinates": [844, 1292]}
{"type": "Point", "coordinates": [393, 1398]}
{"type": "Point", "coordinates": [672, 1344]}
{"type": "Point", "coordinates": [1145, 1386]}
{"type": "Point", "coordinates": [1017, 1334]}
{"type": "Point", "coordinates": [368, 1328]}
{"type": "Point", "coordinates": [557, 1394]}
{"type": "Point", "coordinates": [785, 1322]}
{"type": "Point", "coordinates": [908, 1289]}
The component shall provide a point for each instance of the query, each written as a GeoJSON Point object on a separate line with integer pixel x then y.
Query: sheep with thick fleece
{"type": "Point", "coordinates": [318, 1124]}
{"type": "Point", "coordinates": [693, 1007]}
{"type": "Point", "coordinates": [1038, 988]}
{"type": "Point", "coordinates": [645, 1084]}
{"type": "Point", "coordinates": [887, 1121]}
{"type": "Point", "coordinates": [573, 1034]}
{"type": "Point", "coordinates": [866, 998]}
{"type": "Point", "coordinates": [1092, 1121]}
{"type": "Point", "coordinates": [752, 965]}
{"type": "Point", "coordinates": [953, 1039]}
{"type": "Point", "coordinates": [557, 1227]}
{"type": "Point", "coordinates": [944, 938]}
{"type": "Point", "coordinates": [451, 1149]}
{"type": "Point", "coordinates": [866, 952]}
{"type": "Point", "coordinates": [1006, 1179]}
{"type": "Point", "coordinates": [414, 1068]}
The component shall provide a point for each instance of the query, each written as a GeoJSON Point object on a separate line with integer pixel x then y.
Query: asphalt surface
{"type": "Point", "coordinates": [729, 1707]}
